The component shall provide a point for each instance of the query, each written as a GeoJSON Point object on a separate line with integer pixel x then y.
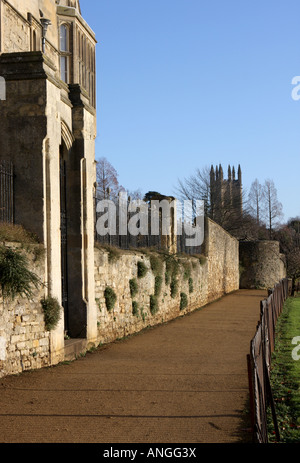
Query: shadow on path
{"type": "Point", "coordinates": [182, 382]}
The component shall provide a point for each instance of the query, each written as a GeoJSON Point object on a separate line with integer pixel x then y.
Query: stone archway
{"type": "Point", "coordinates": [71, 237]}
{"type": "Point", "coordinates": [63, 161]}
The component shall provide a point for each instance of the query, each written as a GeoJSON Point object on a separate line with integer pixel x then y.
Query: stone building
{"type": "Point", "coordinates": [48, 130]}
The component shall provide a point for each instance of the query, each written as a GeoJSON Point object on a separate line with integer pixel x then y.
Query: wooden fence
{"type": "Point", "coordinates": [259, 362]}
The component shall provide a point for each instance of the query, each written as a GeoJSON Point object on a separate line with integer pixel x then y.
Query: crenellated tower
{"type": "Point", "coordinates": [225, 195]}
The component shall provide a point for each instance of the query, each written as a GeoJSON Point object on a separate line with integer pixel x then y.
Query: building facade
{"type": "Point", "coordinates": [48, 130]}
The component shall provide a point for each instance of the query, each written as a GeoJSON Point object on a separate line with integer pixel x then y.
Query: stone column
{"type": "Point", "coordinates": [29, 137]}
{"type": "Point", "coordinates": [82, 241]}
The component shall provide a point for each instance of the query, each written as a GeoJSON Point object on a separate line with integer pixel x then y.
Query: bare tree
{"type": "Point", "coordinates": [108, 185]}
{"type": "Point", "coordinates": [273, 207]}
{"type": "Point", "coordinates": [289, 238]}
{"type": "Point", "coordinates": [255, 200]}
{"type": "Point", "coordinates": [196, 186]}
{"type": "Point", "coordinates": [135, 194]}
{"type": "Point", "coordinates": [225, 207]}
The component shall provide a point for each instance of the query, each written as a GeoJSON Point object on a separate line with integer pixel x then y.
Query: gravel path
{"type": "Point", "coordinates": [182, 382]}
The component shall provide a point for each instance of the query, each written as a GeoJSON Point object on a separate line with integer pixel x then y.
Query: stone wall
{"type": "Point", "coordinates": [261, 264]}
{"type": "Point", "coordinates": [170, 287]}
{"type": "Point", "coordinates": [24, 343]}
{"type": "Point", "coordinates": [198, 281]}
{"type": "Point", "coordinates": [222, 251]}
{"type": "Point", "coordinates": [16, 36]}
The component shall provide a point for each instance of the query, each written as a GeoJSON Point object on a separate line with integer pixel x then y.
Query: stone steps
{"type": "Point", "coordinates": [74, 347]}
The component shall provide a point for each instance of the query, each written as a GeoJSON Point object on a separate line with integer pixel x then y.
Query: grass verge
{"type": "Point", "coordinates": [285, 375]}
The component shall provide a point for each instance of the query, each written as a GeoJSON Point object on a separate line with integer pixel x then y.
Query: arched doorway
{"type": "Point", "coordinates": [71, 217]}
{"type": "Point", "coordinates": [63, 160]}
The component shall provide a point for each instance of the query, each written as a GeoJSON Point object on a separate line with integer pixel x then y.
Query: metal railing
{"type": "Point", "coordinates": [158, 241]}
{"type": "Point", "coordinates": [259, 362]}
{"type": "Point", "coordinates": [6, 192]}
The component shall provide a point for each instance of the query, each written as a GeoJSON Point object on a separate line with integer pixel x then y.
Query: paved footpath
{"type": "Point", "coordinates": [181, 382]}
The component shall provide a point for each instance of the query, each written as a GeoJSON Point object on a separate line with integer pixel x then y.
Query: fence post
{"type": "Point", "coordinates": [271, 402]}
{"type": "Point", "coordinates": [251, 393]}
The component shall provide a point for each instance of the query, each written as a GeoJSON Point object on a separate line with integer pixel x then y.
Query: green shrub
{"type": "Point", "coordinates": [157, 264]}
{"type": "Point", "coordinates": [52, 312]}
{"type": "Point", "coordinates": [135, 309]}
{"type": "Point", "coordinates": [113, 252]}
{"type": "Point", "coordinates": [174, 287]}
{"type": "Point", "coordinates": [110, 298]}
{"type": "Point", "coordinates": [141, 269]}
{"type": "Point", "coordinates": [202, 260]}
{"type": "Point", "coordinates": [172, 269]}
{"type": "Point", "coordinates": [158, 285]}
{"type": "Point", "coordinates": [153, 304]}
{"type": "Point", "coordinates": [15, 277]}
{"type": "Point", "coordinates": [169, 266]}
{"type": "Point", "coordinates": [143, 315]}
{"type": "Point", "coordinates": [191, 285]}
{"type": "Point", "coordinates": [187, 270]}
{"type": "Point", "coordinates": [183, 301]}
{"type": "Point", "coordinates": [167, 278]}
{"type": "Point", "coordinates": [133, 285]}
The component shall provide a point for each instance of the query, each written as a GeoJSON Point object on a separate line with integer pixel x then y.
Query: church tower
{"type": "Point", "coordinates": [225, 195]}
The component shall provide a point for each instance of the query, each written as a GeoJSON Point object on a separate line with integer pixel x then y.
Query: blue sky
{"type": "Point", "coordinates": [182, 84]}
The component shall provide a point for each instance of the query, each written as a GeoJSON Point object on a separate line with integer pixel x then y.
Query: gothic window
{"type": "Point", "coordinates": [34, 41]}
{"type": "Point", "coordinates": [64, 38]}
{"type": "Point", "coordinates": [85, 68]}
{"type": "Point", "coordinates": [78, 46]}
{"type": "Point", "coordinates": [64, 68]}
{"type": "Point", "coordinates": [64, 53]}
